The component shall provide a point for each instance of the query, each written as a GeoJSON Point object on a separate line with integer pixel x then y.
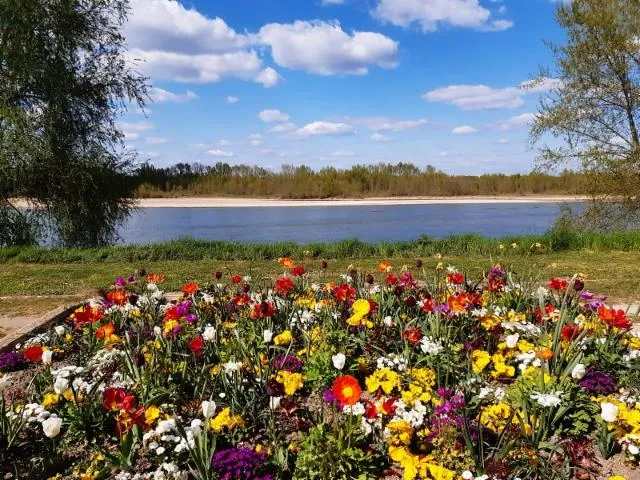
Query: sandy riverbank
{"type": "Point", "coordinates": [226, 202]}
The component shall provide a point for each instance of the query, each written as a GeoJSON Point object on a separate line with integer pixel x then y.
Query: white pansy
{"type": "Point", "coordinates": [430, 346]}
{"type": "Point", "coordinates": [339, 360]}
{"type": "Point", "coordinates": [512, 340]}
{"type": "Point", "coordinates": [208, 408]}
{"type": "Point", "coordinates": [51, 426]}
{"type": "Point", "coordinates": [609, 412]}
{"type": "Point", "coordinates": [578, 372]}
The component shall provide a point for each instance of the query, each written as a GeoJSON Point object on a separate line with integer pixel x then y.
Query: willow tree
{"type": "Point", "coordinates": [591, 119]}
{"type": "Point", "coordinates": [64, 81]}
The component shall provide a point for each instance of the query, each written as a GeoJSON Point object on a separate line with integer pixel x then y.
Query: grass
{"type": "Point", "coordinates": [555, 241]}
{"type": "Point", "coordinates": [611, 262]}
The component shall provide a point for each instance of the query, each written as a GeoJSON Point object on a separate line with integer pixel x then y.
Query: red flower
{"type": "Point", "coordinates": [389, 406]}
{"type": "Point", "coordinates": [283, 285]}
{"type": "Point", "coordinates": [346, 390]}
{"type": "Point", "coordinates": [86, 315]}
{"type": "Point", "coordinates": [344, 292]}
{"type": "Point", "coordinates": [614, 318]}
{"type": "Point", "coordinates": [106, 330]}
{"type": "Point", "coordinates": [116, 398]}
{"type": "Point", "coordinates": [241, 300]}
{"type": "Point", "coordinates": [190, 288]}
{"type": "Point", "coordinates": [263, 310]}
{"type": "Point", "coordinates": [412, 335]}
{"type": "Point", "coordinates": [427, 305]}
{"type": "Point", "coordinates": [298, 271]}
{"type": "Point", "coordinates": [570, 332]}
{"type": "Point", "coordinates": [370, 410]}
{"type": "Point", "coordinates": [391, 279]}
{"type": "Point", "coordinates": [455, 278]}
{"type": "Point", "coordinates": [33, 353]}
{"type": "Point", "coordinates": [196, 345]}
{"type": "Point", "coordinates": [557, 284]}
{"type": "Point", "coordinates": [236, 278]}
{"type": "Point", "coordinates": [127, 420]}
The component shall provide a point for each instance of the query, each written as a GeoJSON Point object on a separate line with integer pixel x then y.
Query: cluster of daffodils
{"type": "Point", "coordinates": [376, 375]}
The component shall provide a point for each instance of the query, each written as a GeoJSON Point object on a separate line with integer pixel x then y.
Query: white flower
{"type": "Point", "coordinates": [578, 372]}
{"type": "Point", "coordinates": [209, 333]}
{"type": "Point", "coordinates": [4, 381]}
{"type": "Point", "coordinates": [61, 385]}
{"type": "Point", "coordinates": [552, 399]}
{"type": "Point", "coordinates": [274, 402]}
{"type": "Point", "coordinates": [157, 331]}
{"type": "Point", "coordinates": [467, 475]}
{"type": "Point", "coordinates": [46, 357]}
{"type": "Point", "coordinates": [388, 321]}
{"type": "Point", "coordinates": [267, 336]}
{"type": "Point", "coordinates": [338, 360]}
{"type": "Point", "coordinates": [430, 347]}
{"type": "Point", "coordinates": [208, 408]}
{"type": "Point", "coordinates": [633, 450]}
{"type": "Point", "coordinates": [59, 330]}
{"type": "Point", "coordinates": [160, 450]}
{"type": "Point", "coordinates": [512, 340]}
{"type": "Point", "coordinates": [51, 426]}
{"type": "Point", "coordinates": [231, 367]}
{"type": "Point", "coordinates": [609, 412]}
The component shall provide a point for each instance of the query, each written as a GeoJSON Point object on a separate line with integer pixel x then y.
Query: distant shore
{"type": "Point", "coordinates": [228, 202]}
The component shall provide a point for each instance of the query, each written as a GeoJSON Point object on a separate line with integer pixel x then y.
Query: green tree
{"type": "Point", "coordinates": [64, 81]}
{"type": "Point", "coordinates": [595, 110]}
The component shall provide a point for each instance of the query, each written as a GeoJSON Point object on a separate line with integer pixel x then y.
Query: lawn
{"type": "Point", "coordinates": [612, 273]}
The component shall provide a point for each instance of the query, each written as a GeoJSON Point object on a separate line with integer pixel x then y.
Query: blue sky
{"type": "Point", "coordinates": [340, 82]}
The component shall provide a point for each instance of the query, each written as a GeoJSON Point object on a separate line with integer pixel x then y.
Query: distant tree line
{"type": "Point", "coordinates": [383, 179]}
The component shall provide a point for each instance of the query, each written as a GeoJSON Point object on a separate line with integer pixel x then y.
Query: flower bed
{"type": "Point", "coordinates": [406, 375]}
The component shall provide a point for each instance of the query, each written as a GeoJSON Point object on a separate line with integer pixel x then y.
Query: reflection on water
{"type": "Point", "coordinates": [325, 224]}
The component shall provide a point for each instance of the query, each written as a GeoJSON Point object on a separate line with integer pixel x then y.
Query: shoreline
{"type": "Point", "coordinates": [239, 202]}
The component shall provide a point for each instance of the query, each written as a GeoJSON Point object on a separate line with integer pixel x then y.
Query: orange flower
{"type": "Point", "coordinates": [384, 266]}
{"type": "Point", "coordinates": [155, 278]}
{"type": "Point", "coordinates": [346, 390]}
{"type": "Point", "coordinates": [118, 297]}
{"type": "Point", "coordinates": [545, 354]}
{"type": "Point", "coordinates": [108, 333]}
{"type": "Point", "coordinates": [286, 262]}
{"type": "Point", "coordinates": [190, 288]}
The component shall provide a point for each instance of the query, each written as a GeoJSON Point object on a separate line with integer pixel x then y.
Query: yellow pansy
{"type": "Point", "coordinates": [284, 338]}
{"type": "Point", "coordinates": [151, 414]}
{"type": "Point", "coordinates": [225, 420]}
{"type": "Point", "coordinates": [292, 382]}
{"type": "Point", "coordinates": [479, 360]}
{"type": "Point", "coordinates": [49, 400]}
{"type": "Point", "coordinates": [386, 379]}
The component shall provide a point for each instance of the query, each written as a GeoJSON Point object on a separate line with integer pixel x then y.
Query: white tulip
{"type": "Point", "coordinates": [208, 408]}
{"type": "Point", "coordinates": [267, 335]}
{"type": "Point", "coordinates": [338, 360]}
{"type": "Point", "coordinates": [209, 334]}
{"type": "Point", "coordinates": [61, 385]}
{"type": "Point", "coordinates": [274, 402]}
{"type": "Point", "coordinates": [578, 372]}
{"type": "Point", "coordinates": [46, 357]}
{"type": "Point", "coordinates": [633, 450]}
{"type": "Point", "coordinates": [59, 330]}
{"type": "Point", "coordinates": [51, 426]}
{"type": "Point", "coordinates": [609, 412]}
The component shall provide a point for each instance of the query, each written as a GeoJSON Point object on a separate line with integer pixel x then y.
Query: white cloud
{"type": "Point", "coordinates": [273, 115]}
{"type": "Point", "coordinates": [324, 48]}
{"type": "Point", "coordinates": [220, 153]}
{"type": "Point", "coordinates": [386, 124]}
{"type": "Point", "coordinates": [131, 136]}
{"type": "Point", "coordinates": [136, 127]}
{"type": "Point", "coordinates": [283, 127]}
{"type": "Point", "coordinates": [223, 143]}
{"type": "Point", "coordinates": [503, 141]}
{"type": "Point", "coordinates": [150, 154]}
{"type": "Point", "coordinates": [518, 121]}
{"type": "Point", "coordinates": [378, 137]}
{"type": "Point", "coordinates": [170, 41]}
{"type": "Point", "coordinates": [430, 14]}
{"type": "Point", "coordinates": [464, 130]}
{"type": "Point", "coordinates": [343, 153]}
{"type": "Point", "coordinates": [482, 97]}
{"type": "Point", "coordinates": [159, 95]}
{"type": "Point", "coordinates": [155, 140]}
{"type": "Point", "coordinates": [231, 99]}
{"type": "Point", "coordinates": [325, 128]}
{"type": "Point", "coordinates": [255, 139]}
{"type": "Point", "coordinates": [332, 2]}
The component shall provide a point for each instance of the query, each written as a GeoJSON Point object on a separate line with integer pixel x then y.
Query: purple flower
{"type": "Point", "coordinates": [11, 361]}
{"type": "Point", "coordinates": [586, 295]}
{"type": "Point", "coordinates": [290, 363]}
{"type": "Point", "coordinates": [328, 396]}
{"type": "Point", "coordinates": [131, 279]}
{"type": "Point", "coordinates": [240, 464]}
{"type": "Point", "coordinates": [191, 318]}
{"type": "Point", "coordinates": [119, 282]}
{"type": "Point", "coordinates": [596, 382]}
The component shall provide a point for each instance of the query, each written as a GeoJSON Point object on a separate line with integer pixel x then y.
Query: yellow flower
{"type": "Point", "coordinates": [284, 338]}
{"type": "Point", "coordinates": [500, 368]}
{"type": "Point", "coordinates": [399, 432]}
{"type": "Point", "coordinates": [479, 360]}
{"type": "Point", "coordinates": [385, 378]}
{"type": "Point", "coordinates": [50, 399]}
{"type": "Point", "coordinates": [225, 420]}
{"type": "Point", "coordinates": [151, 414]}
{"type": "Point", "coordinates": [438, 472]}
{"type": "Point", "coordinates": [292, 382]}
{"type": "Point", "coordinates": [617, 477]}
{"type": "Point", "coordinates": [361, 309]}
